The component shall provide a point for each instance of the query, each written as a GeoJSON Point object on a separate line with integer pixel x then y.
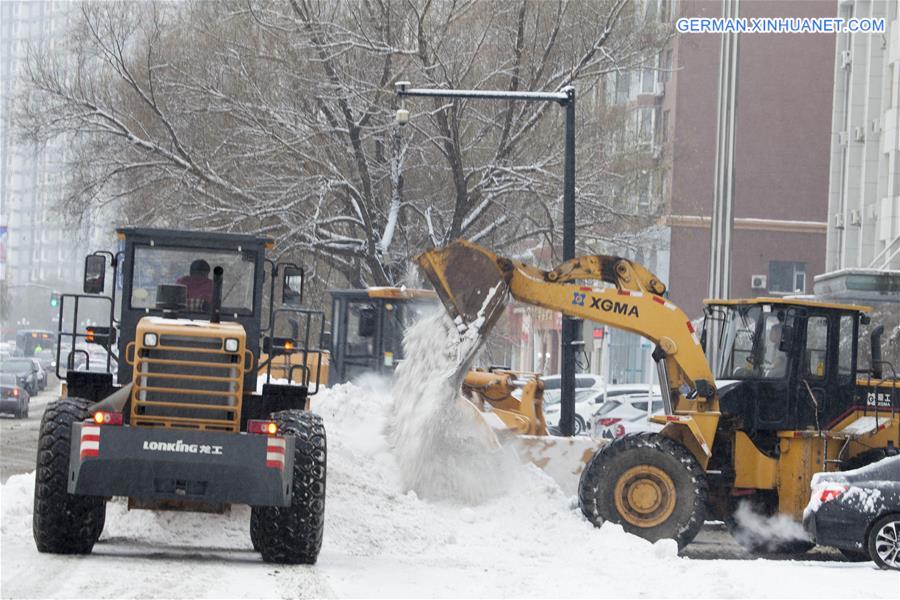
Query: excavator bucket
{"type": "Point", "coordinates": [470, 282]}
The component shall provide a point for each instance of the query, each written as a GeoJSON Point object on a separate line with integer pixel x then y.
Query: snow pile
{"type": "Point", "coordinates": [383, 540]}
{"type": "Point", "coordinates": [444, 449]}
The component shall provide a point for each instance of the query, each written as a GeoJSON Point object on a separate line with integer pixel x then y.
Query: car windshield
{"type": "Point", "coordinates": [21, 365]}
{"type": "Point", "coordinates": [193, 268]}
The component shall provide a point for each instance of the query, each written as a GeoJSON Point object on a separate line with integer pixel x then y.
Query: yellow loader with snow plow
{"type": "Point", "coordinates": [788, 399]}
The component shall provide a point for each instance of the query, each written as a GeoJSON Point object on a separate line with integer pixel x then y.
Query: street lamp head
{"type": "Point", "coordinates": [402, 116]}
{"type": "Point", "coordinates": [400, 87]}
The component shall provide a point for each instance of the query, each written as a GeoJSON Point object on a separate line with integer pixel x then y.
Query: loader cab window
{"type": "Point", "coordinates": [362, 322]}
{"type": "Point", "coordinates": [192, 267]}
{"type": "Point", "coordinates": [738, 332]}
{"type": "Point", "coordinates": [774, 358]}
{"type": "Point", "coordinates": [751, 343]}
{"type": "Point", "coordinates": [814, 354]}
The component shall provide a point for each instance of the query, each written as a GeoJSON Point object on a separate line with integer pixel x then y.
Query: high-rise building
{"type": "Point", "coordinates": [863, 243]}
{"type": "Point", "coordinates": [39, 250]}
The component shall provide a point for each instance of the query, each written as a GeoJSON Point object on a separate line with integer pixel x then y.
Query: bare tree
{"type": "Point", "coordinates": [277, 118]}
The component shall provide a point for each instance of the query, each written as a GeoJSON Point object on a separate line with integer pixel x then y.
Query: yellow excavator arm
{"type": "Point", "coordinates": [474, 284]}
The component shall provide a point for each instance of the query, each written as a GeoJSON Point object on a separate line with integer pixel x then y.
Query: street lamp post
{"type": "Point", "coordinates": [571, 330]}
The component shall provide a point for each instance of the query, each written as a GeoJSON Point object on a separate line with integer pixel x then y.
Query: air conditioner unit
{"type": "Point", "coordinates": [854, 217]}
{"type": "Point", "coordinates": [859, 134]}
{"type": "Point", "coordinates": [876, 125]}
{"type": "Point", "coordinates": [845, 59]}
{"type": "Point", "coordinates": [758, 282]}
{"type": "Point", "coordinates": [839, 220]}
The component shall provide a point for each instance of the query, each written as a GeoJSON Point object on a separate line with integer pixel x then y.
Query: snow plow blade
{"type": "Point", "coordinates": [562, 458]}
{"type": "Point", "coordinates": [470, 282]}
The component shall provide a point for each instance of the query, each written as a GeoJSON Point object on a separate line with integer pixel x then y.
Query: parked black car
{"type": "Point", "coordinates": [14, 399]}
{"type": "Point", "coordinates": [858, 512]}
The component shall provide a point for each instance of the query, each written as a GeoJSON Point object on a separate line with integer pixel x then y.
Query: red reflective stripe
{"type": "Point", "coordinates": [658, 300]}
{"type": "Point", "coordinates": [275, 464]}
{"type": "Point", "coordinates": [91, 452]}
{"type": "Point", "coordinates": [624, 293]}
{"type": "Point", "coordinates": [276, 449]}
{"type": "Point", "coordinates": [690, 327]}
{"type": "Point", "coordinates": [90, 438]}
{"type": "Point", "coordinates": [586, 288]}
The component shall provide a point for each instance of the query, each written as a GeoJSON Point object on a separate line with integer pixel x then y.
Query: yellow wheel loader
{"type": "Point", "coordinates": [787, 401]}
{"type": "Point", "coordinates": [175, 421]}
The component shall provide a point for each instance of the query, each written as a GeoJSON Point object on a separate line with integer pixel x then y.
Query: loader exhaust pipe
{"type": "Point", "coordinates": [875, 340]}
{"type": "Point", "coordinates": [215, 307]}
{"type": "Point", "coordinates": [472, 283]}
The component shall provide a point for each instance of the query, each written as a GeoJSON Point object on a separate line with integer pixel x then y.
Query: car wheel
{"type": "Point", "coordinates": [580, 426]}
{"type": "Point", "coordinates": [884, 542]}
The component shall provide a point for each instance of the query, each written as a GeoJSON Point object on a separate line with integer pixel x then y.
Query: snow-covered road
{"type": "Point", "coordinates": [383, 542]}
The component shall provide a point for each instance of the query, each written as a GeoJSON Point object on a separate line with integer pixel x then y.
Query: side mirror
{"type": "Point", "coordinates": [94, 273]}
{"type": "Point", "coordinates": [367, 323]}
{"type": "Point", "coordinates": [787, 339]}
{"type": "Point", "coordinates": [292, 286]}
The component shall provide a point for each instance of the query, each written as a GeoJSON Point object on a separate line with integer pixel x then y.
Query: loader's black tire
{"type": "Point", "coordinates": [254, 529]}
{"type": "Point", "coordinates": [765, 504]}
{"type": "Point", "coordinates": [650, 484]}
{"type": "Point", "coordinates": [63, 523]}
{"type": "Point", "coordinates": [293, 534]}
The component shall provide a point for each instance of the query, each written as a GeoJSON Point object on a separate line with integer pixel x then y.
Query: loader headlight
{"type": "Point", "coordinates": [231, 344]}
{"type": "Point", "coordinates": [150, 340]}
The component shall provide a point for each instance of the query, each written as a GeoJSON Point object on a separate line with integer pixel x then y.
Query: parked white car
{"type": "Point", "coordinates": [590, 395]}
{"type": "Point", "coordinates": [626, 414]}
{"type": "Point", "coordinates": [586, 401]}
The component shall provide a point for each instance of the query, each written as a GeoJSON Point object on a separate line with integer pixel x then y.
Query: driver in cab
{"type": "Point", "coordinates": [199, 285]}
{"type": "Point", "coordinates": [778, 364]}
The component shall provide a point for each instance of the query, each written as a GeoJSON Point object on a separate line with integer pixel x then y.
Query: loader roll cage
{"type": "Point", "coordinates": [149, 257]}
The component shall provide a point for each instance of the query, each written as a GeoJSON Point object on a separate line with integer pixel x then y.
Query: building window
{"type": "Point", "coordinates": [663, 134]}
{"type": "Point", "coordinates": [646, 125]}
{"type": "Point", "coordinates": [665, 65]}
{"type": "Point", "coordinates": [647, 83]}
{"type": "Point", "coordinates": [787, 277]}
{"type": "Point", "coordinates": [623, 86]}
{"type": "Point", "coordinates": [665, 10]}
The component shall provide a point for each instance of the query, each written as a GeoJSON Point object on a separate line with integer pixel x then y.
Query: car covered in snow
{"type": "Point", "coordinates": [858, 512]}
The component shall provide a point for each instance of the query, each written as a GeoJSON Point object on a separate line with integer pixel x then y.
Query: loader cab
{"type": "Point", "coordinates": [785, 364]}
{"type": "Point", "coordinates": [367, 328]}
{"type": "Point", "coordinates": [186, 326]}
{"type": "Point", "coordinates": [153, 257]}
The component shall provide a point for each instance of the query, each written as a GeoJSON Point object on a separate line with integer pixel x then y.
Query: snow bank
{"type": "Point", "coordinates": [383, 540]}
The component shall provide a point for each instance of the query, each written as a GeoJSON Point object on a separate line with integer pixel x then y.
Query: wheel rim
{"type": "Point", "coordinates": [645, 496]}
{"type": "Point", "coordinates": [887, 544]}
